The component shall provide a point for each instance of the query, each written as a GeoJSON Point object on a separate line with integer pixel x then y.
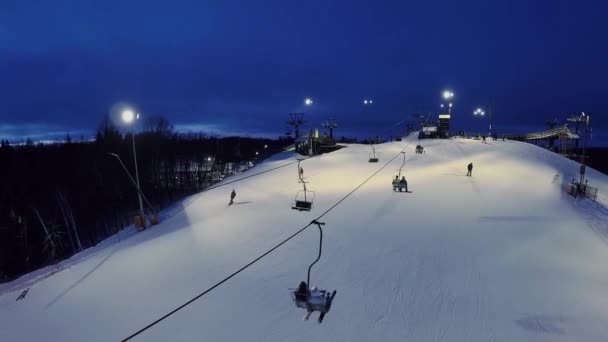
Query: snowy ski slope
{"type": "Point", "coordinates": [504, 255]}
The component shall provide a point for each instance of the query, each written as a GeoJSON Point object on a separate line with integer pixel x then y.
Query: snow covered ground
{"type": "Point", "coordinates": [504, 255]}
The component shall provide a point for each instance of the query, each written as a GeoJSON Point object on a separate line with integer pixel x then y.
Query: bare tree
{"type": "Point", "coordinates": [68, 218]}
{"type": "Point", "coordinates": [159, 125]}
{"type": "Point", "coordinates": [51, 242]}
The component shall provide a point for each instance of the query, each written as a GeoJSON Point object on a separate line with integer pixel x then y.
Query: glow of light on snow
{"type": "Point", "coordinates": [459, 259]}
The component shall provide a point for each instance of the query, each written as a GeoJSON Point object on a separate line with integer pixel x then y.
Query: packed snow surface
{"type": "Point", "coordinates": [504, 255]}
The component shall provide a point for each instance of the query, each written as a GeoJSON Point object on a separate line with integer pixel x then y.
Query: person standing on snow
{"type": "Point", "coordinates": [470, 168]}
{"type": "Point", "coordinates": [232, 196]}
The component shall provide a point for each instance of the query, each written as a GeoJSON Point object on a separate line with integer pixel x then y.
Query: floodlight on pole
{"type": "Point", "coordinates": [308, 101]}
{"type": "Point", "coordinates": [141, 194]}
{"type": "Point", "coordinates": [128, 116]}
{"type": "Point", "coordinates": [447, 95]}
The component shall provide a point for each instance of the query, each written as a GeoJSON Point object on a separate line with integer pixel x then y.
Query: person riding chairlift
{"type": "Point", "coordinates": [313, 299]}
{"type": "Point", "coordinates": [403, 183]}
{"type": "Point", "coordinates": [301, 293]}
{"type": "Point", "coordinates": [316, 297]}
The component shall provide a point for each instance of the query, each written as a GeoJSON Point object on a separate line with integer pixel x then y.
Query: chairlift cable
{"type": "Point", "coordinates": [298, 232]}
{"type": "Point", "coordinates": [200, 193]}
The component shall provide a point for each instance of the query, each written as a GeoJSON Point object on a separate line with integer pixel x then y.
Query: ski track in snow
{"type": "Point", "coordinates": [504, 255]}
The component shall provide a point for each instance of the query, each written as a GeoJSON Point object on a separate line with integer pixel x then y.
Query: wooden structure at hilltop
{"type": "Point", "coordinates": [566, 138]}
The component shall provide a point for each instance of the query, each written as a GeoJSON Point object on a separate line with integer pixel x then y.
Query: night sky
{"type": "Point", "coordinates": [229, 67]}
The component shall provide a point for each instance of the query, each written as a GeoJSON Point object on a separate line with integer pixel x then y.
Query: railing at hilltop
{"type": "Point", "coordinates": [560, 132]}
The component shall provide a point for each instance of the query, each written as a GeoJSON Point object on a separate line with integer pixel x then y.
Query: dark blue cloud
{"type": "Point", "coordinates": [243, 65]}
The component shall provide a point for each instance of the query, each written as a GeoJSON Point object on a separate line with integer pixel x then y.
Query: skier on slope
{"type": "Point", "coordinates": [470, 168]}
{"type": "Point", "coordinates": [232, 196]}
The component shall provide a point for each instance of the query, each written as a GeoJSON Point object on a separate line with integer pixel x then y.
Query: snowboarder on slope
{"type": "Point", "coordinates": [470, 168]}
{"type": "Point", "coordinates": [232, 196]}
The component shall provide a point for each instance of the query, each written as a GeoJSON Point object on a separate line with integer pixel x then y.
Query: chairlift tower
{"type": "Point", "coordinates": [585, 119]}
{"type": "Point", "coordinates": [420, 119]}
{"type": "Point", "coordinates": [577, 119]}
{"type": "Point", "coordinates": [330, 124]}
{"type": "Point", "coordinates": [296, 120]}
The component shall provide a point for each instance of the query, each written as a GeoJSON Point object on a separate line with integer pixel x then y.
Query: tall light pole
{"type": "Point", "coordinates": [491, 113]}
{"type": "Point", "coordinates": [141, 194]}
{"type": "Point", "coordinates": [448, 95]}
{"type": "Point", "coordinates": [585, 119]}
{"type": "Point", "coordinates": [479, 112]}
{"type": "Point", "coordinates": [128, 117]}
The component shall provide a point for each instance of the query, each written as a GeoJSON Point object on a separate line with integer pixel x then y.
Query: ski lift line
{"type": "Point", "coordinates": [368, 179]}
{"type": "Point", "coordinates": [313, 222]}
{"type": "Point", "coordinates": [199, 194]}
{"type": "Point", "coordinates": [319, 224]}
{"type": "Point", "coordinates": [250, 176]}
{"type": "Point", "coordinates": [220, 282]}
{"type": "Point", "coordinates": [362, 184]}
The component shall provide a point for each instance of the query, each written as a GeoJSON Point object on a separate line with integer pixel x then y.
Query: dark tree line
{"type": "Point", "coordinates": [57, 199]}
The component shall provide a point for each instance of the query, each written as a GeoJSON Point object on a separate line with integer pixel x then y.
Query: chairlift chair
{"type": "Point", "coordinates": [311, 305]}
{"type": "Point", "coordinates": [322, 300]}
{"type": "Point", "coordinates": [303, 200]}
{"type": "Point", "coordinates": [397, 186]}
{"type": "Point", "coordinates": [372, 156]}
